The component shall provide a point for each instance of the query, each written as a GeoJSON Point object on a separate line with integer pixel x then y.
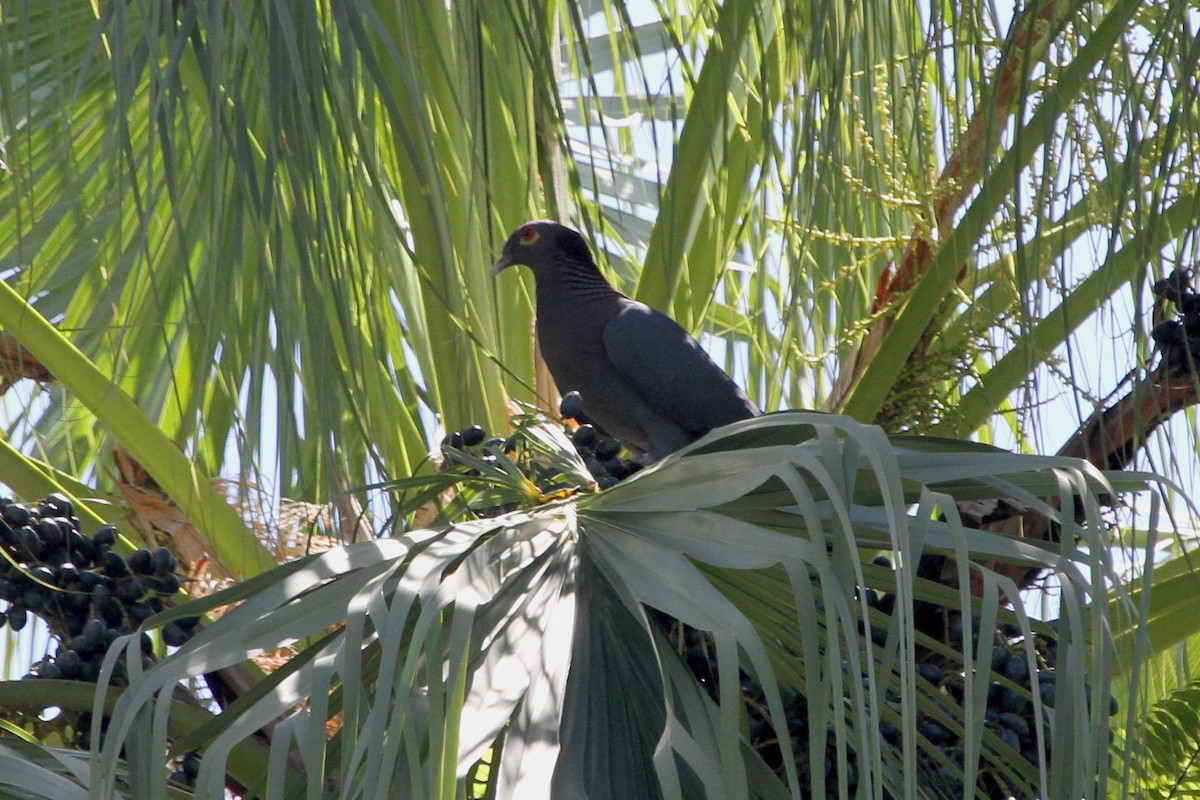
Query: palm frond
{"type": "Point", "coordinates": [529, 634]}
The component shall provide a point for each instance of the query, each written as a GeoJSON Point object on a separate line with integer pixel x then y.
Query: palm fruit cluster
{"type": "Point", "coordinates": [601, 454]}
{"type": "Point", "coordinates": [86, 592]}
{"type": "Point", "coordinates": [472, 453]}
{"type": "Point", "coordinates": [1178, 337]}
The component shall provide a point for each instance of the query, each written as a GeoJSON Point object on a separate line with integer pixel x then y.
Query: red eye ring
{"type": "Point", "coordinates": [528, 235]}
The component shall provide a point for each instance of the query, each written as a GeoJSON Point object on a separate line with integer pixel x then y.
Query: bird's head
{"type": "Point", "coordinates": [540, 244]}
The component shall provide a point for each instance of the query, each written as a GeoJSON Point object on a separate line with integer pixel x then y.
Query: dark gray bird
{"type": "Point", "coordinates": [642, 378]}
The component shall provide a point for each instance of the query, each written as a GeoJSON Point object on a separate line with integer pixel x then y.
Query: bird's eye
{"type": "Point", "coordinates": [528, 236]}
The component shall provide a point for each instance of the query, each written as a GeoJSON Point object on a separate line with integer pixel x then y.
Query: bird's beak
{"type": "Point", "coordinates": [502, 263]}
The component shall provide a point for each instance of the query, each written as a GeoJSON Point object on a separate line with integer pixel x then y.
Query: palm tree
{"type": "Point", "coordinates": [250, 241]}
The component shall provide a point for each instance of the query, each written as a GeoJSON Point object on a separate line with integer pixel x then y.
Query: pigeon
{"type": "Point", "coordinates": [642, 378]}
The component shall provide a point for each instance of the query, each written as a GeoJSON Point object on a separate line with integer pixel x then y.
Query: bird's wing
{"type": "Point", "coordinates": [670, 370]}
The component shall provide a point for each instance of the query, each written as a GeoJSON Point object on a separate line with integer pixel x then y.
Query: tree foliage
{"type": "Point", "coordinates": [250, 241]}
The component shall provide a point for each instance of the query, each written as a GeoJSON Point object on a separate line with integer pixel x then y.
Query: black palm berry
{"type": "Point", "coordinates": [105, 535]}
{"type": "Point", "coordinates": [607, 449]}
{"type": "Point", "coordinates": [1167, 333]}
{"type": "Point", "coordinates": [93, 631]}
{"type": "Point", "coordinates": [69, 663]}
{"type": "Point", "coordinates": [140, 561]}
{"type": "Point", "coordinates": [88, 580]}
{"type": "Point", "coordinates": [585, 437]}
{"type": "Point", "coordinates": [110, 611]}
{"type": "Point", "coordinates": [58, 505]}
{"type": "Point", "coordinates": [167, 584]}
{"type": "Point", "coordinates": [131, 590]}
{"type": "Point", "coordinates": [77, 603]}
{"type": "Point", "coordinates": [1016, 668]}
{"type": "Point", "coordinates": [33, 599]}
{"type": "Point", "coordinates": [163, 560]}
{"type": "Point", "coordinates": [140, 612]}
{"type": "Point", "coordinates": [473, 435]}
{"type": "Point", "coordinates": [50, 532]}
{"type": "Point", "coordinates": [17, 617]}
{"type": "Point", "coordinates": [174, 635]}
{"type": "Point", "coordinates": [1189, 304]}
{"type": "Point", "coordinates": [75, 623]}
{"type": "Point", "coordinates": [1173, 286]}
{"type": "Point", "coordinates": [89, 671]}
{"type": "Point", "coordinates": [16, 516]}
{"type": "Point", "coordinates": [620, 468]}
{"type": "Point", "coordinates": [43, 574]}
{"type": "Point", "coordinates": [930, 672]}
{"type": "Point", "coordinates": [571, 406]}
{"type": "Point", "coordinates": [65, 575]}
{"type": "Point", "coordinates": [114, 566]}
{"type": "Point", "coordinates": [30, 543]}
{"type": "Point", "coordinates": [80, 549]}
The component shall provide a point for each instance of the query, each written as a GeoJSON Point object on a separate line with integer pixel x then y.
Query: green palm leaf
{"type": "Point", "coordinates": [528, 633]}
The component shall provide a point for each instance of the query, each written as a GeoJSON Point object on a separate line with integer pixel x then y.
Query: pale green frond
{"type": "Point", "coordinates": [533, 635]}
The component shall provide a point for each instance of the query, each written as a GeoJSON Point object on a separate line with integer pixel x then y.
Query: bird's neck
{"type": "Point", "coordinates": [573, 282]}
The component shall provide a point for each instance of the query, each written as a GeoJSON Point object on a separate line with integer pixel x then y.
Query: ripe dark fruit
{"type": "Point", "coordinates": [141, 562]}
{"type": "Point", "coordinates": [174, 635]}
{"type": "Point", "coordinates": [110, 611]}
{"type": "Point", "coordinates": [33, 599]}
{"type": "Point", "coordinates": [114, 565]}
{"type": "Point", "coordinates": [67, 575]}
{"type": "Point", "coordinates": [163, 560]}
{"type": "Point", "coordinates": [131, 590]}
{"type": "Point", "coordinates": [59, 505]}
{"type": "Point", "coordinates": [571, 406]}
{"type": "Point", "coordinates": [585, 436]}
{"type": "Point", "coordinates": [17, 617]}
{"type": "Point", "coordinates": [1167, 333]}
{"type": "Point", "coordinates": [167, 584]}
{"type": "Point", "coordinates": [93, 631]}
{"type": "Point", "coordinates": [1016, 668]}
{"type": "Point", "coordinates": [191, 766]}
{"type": "Point", "coordinates": [16, 516]}
{"type": "Point", "coordinates": [105, 535]}
{"type": "Point", "coordinates": [30, 543]}
{"type": "Point", "coordinates": [607, 448]}
{"type": "Point", "coordinates": [50, 532]}
{"type": "Point", "coordinates": [43, 574]}
{"type": "Point", "coordinates": [140, 612]}
{"type": "Point", "coordinates": [930, 672]}
{"type": "Point", "coordinates": [473, 435]}
{"type": "Point", "coordinates": [69, 663]}
{"type": "Point", "coordinates": [81, 549]}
